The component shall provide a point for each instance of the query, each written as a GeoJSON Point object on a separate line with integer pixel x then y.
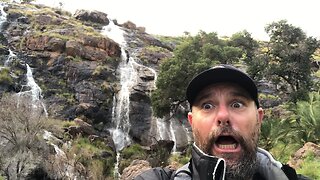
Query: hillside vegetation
{"type": "Point", "coordinates": [80, 84]}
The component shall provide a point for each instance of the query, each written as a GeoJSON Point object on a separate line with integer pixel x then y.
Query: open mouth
{"type": "Point", "coordinates": [226, 143]}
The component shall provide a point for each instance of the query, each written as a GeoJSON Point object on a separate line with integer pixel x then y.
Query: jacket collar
{"type": "Point", "coordinates": [206, 167]}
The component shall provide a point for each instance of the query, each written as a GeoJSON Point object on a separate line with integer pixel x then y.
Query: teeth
{"type": "Point", "coordinates": [227, 146]}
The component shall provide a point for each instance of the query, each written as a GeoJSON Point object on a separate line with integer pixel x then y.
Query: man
{"type": "Point", "coordinates": [226, 119]}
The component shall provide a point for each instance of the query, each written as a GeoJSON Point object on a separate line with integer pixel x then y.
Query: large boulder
{"type": "Point", "coordinates": [134, 169]}
{"type": "Point", "coordinates": [92, 16]}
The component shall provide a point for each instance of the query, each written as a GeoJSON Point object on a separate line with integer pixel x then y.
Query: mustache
{"type": "Point", "coordinates": [226, 130]}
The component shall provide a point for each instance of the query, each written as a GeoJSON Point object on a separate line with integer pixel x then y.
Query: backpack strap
{"type": "Point", "coordinates": [157, 173]}
{"type": "Point", "coordinates": [186, 170]}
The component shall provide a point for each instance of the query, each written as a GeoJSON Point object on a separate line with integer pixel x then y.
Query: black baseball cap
{"type": "Point", "coordinates": [217, 74]}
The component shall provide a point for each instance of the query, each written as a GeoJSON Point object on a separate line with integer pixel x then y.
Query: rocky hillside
{"type": "Point", "coordinates": [72, 62]}
{"type": "Point", "coordinates": [77, 67]}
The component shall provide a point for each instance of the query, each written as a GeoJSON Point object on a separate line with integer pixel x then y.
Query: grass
{"type": "Point", "coordinates": [310, 167]}
{"type": "Point", "coordinates": [283, 152]}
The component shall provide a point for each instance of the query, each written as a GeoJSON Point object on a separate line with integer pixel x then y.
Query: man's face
{"type": "Point", "coordinates": [226, 123]}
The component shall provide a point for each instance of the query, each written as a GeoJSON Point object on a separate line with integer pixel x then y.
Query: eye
{"type": "Point", "coordinates": [237, 105]}
{"type": "Point", "coordinates": [207, 106]}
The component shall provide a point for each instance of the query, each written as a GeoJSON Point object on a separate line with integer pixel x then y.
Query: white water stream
{"type": "Point", "coordinates": [3, 15]}
{"type": "Point", "coordinates": [128, 78]}
{"type": "Point", "coordinates": [121, 102]}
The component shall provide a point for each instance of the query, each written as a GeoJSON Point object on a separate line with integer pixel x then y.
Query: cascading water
{"type": "Point", "coordinates": [164, 128]}
{"type": "Point", "coordinates": [11, 56]}
{"type": "Point", "coordinates": [120, 111]}
{"type": "Point", "coordinates": [3, 15]}
{"type": "Point", "coordinates": [128, 76]}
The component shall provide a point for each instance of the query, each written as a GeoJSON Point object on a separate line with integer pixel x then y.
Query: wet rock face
{"type": "Point", "coordinates": [71, 65]}
{"type": "Point", "coordinates": [77, 69]}
{"type": "Point", "coordinates": [140, 105]}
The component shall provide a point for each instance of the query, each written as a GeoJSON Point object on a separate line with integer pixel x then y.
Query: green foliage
{"type": "Point", "coordinates": [99, 69]}
{"type": "Point", "coordinates": [192, 56]}
{"type": "Point", "coordinates": [128, 154]}
{"type": "Point", "coordinates": [171, 39]}
{"type": "Point", "coordinates": [307, 119]}
{"type": "Point", "coordinates": [317, 74]}
{"type": "Point", "coordinates": [272, 132]}
{"type": "Point", "coordinates": [88, 154]}
{"type": "Point", "coordinates": [134, 151]}
{"type": "Point", "coordinates": [282, 151]}
{"type": "Point", "coordinates": [309, 166]}
{"type": "Point", "coordinates": [289, 58]}
{"type": "Point", "coordinates": [68, 97]}
{"type": "Point", "coordinates": [5, 77]}
{"type": "Point", "coordinates": [181, 158]}
{"type": "Point", "coordinates": [66, 124]}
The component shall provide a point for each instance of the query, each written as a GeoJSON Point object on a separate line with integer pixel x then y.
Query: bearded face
{"type": "Point", "coordinates": [239, 165]}
{"type": "Point", "coordinates": [226, 124]}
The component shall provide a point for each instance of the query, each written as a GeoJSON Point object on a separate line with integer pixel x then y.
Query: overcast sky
{"type": "Point", "coordinates": [226, 17]}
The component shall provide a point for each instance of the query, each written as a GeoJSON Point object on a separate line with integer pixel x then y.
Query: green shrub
{"type": "Point", "coordinates": [66, 124]}
{"type": "Point", "coordinates": [179, 159]}
{"type": "Point", "coordinates": [135, 150]}
{"type": "Point", "coordinates": [89, 154]}
{"type": "Point", "coordinates": [310, 167]}
{"type": "Point", "coordinates": [129, 154]}
{"type": "Point", "coordinates": [283, 151]}
{"type": "Point", "coordinates": [5, 77]}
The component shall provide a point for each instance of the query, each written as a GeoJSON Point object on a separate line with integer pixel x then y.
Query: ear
{"type": "Point", "coordinates": [190, 117]}
{"type": "Point", "coordinates": [260, 115]}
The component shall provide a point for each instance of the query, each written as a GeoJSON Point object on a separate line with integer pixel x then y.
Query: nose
{"type": "Point", "coordinates": [222, 117]}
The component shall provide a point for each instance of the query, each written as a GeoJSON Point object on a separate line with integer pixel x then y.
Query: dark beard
{"type": "Point", "coordinates": [244, 169]}
{"type": "Point", "coordinates": [245, 166]}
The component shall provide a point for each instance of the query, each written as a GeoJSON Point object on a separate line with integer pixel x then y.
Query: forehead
{"type": "Point", "coordinates": [230, 89]}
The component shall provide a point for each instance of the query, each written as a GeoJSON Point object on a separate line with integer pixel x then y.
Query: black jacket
{"type": "Point", "coordinates": [204, 167]}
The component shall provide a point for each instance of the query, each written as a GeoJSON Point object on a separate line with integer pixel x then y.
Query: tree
{"type": "Point", "coordinates": [252, 57]}
{"type": "Point", "coordinates": [191, 57]}
{"type": "Point", "coordinates": [290, 54]}
{"type": "Point", "coordinates": [20, 126]}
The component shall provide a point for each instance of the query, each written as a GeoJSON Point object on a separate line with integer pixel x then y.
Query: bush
{"type": "Point", "coordinates": [310, 167]}
{"type": "Point", "coordinates": [89, 155]}
{"type": "Point", "coordinates": [5, 77]}
{"type": "Point", "coordinates": [127, 155]}
{"type": "Point", "coordinates": [22, 122]}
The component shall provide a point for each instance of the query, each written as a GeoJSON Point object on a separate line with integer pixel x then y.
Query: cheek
{"type": "Point", "coordinates": [246, 124]}
{"type": "Point", "coordinates": [203, 126]}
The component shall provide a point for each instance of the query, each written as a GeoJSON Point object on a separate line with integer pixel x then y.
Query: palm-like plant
{"type": "Point", "coordinates": [308, 119]}
{"type": "Point", "coordinates": [273, 131]}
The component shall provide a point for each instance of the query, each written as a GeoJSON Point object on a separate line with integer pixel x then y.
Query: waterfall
{"type": "Point", "coordinates": [128, 77]}
{"type": "Point", "coordinates": [34, 87]}
{"type": "Point", "coordinates": [165, 129]}
{"type": "Point", "coordinates": [11, 56]}
{"type": "Point", "coordinates": [120, 111]}
{"type": "Point", "coordinates": [34, 90]}
{"type": "Point", "coordinates": [3, 15]}
{"type": "Point", "coordinates": [121, 102]}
